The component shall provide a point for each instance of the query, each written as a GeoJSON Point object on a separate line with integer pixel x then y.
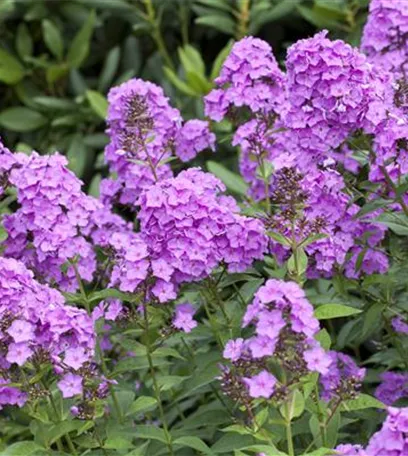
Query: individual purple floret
{"type": "Point", "coordinates": [350, 450]}
{"type": "Point", "coordinates": [183, 317]}
{"type": "Point", "coordinates": [399, 325]}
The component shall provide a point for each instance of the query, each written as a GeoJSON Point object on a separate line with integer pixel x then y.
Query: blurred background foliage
{"type": "Point", "coordinates": [58, 59]}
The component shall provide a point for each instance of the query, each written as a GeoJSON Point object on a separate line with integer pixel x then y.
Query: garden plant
{"type": "Point", "coordinates": [229, 277]}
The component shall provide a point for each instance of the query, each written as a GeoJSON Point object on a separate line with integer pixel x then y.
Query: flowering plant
{"type": "Point", "coordinates": [169, 317]}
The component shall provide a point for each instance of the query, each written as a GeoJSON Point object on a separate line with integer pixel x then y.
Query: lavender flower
{"type": "Point", "coordinates": [393, 386]}
{"type": "Point", "coordinates": [183, 318]}
{"type": "Point", "coordinates": [391, 438]}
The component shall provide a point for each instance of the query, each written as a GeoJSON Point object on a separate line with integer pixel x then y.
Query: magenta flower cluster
{"type": "Point", "coordinates": [385, 36]}
{"type": "Point", "coordinates": [280, 313]}
{"type": "Point", "coordinates": [35, 324]}
{"type": "Point", "coordinates": [145, 131]}
{"type": "Point", "coordinates": [250, 77]}
{"type": "Point", "coordinates": [191, 228]}
{"type": "Point", "coordinates": [48, 228]}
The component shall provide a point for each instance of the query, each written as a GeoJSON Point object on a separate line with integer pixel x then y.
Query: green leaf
{"type": "Point", "coordinates": [150, 432]}
{"type": "Point", "coordinates": [53, 38]}
{"type": "Point", "coordinates": [109, 69]}
{"type": "Point", "coordinates": [232, 181]}
{"type": "Point", "coordinates": [293, 407]}
{"type": "Point", "coordinates": [230, 442]}
{"type": "Point", "coordinates": [98, 103]}
{"type": "Point", "coordinates": [179, 84]}
{"type": "Point", "coordinates": [21, 119]}
{"type": "Point", "coordinates": [11, 71]}
{"type": "Point", "coordinates": [118, 443]}
{"type": "Point", "coordinates": [191, 60]}
{"type": "Point", "coordinates": [56, 104]}
{"type": "Point", "coordinates": [195, 443]}
{"type": "Point", "coordinates": [142, 404]}
{"type": "Point", "coordinates": [278, 237]}
{"type": "Point", "coordinates": [313, 238]}
{"type": "Point", "coordinates": [109, 293]}
{"type": "Point", "coordinates": [79, 49]}
{"type": "Point", "coordinates": [167, 382]}
{"type": "Point", "coordinates": [77, 155]}
{"type": "Point", "coordinates": [21, 448]}
{"type": "Point", "coordinates": [323, 337]}
{"type": "Point", "coordinates": [327, 311]}
{"type": "Point", "coordinates": [24, 42]}
{"type": "Point", "coordinates": [319, 452]}
{"type": "Point", "coordinates": [220, 59]}
{"type": "Point", "coordinates": [398, 222]}
{"type": "Point", "coordinates": [220, 22]}
{"type": "Point", "coordinates": [364, 401]}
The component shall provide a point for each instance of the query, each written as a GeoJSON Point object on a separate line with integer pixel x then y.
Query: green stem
{"type": "Point", "coordinates": [156, 33]}
{"type": "Point", "coordinates": [393, 188]}
{"type": "Point", "coordinates": [243, 19]}
{"type": "Point", "coordinates": [213, 324]}
{"type": "Point", "coordinates": [105, 369]}
{"type": "Point", "coordinates": [289, 438]}
{"type": "Point", "coordinates": [155, 384]}
{"type": "Point", "coordinates": [66, 436]}
{"type": "Point", "coordinates": [322, 425]}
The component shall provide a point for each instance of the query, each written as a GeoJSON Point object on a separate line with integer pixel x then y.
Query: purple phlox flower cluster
{"type": "Point", "coordinates": [348, 449]}
{"type": "Point", "coordinates": [393, 386]}
{"type": "Point", "coordinates": [330, 88]}
{"type": "Point", "coordinates": [392, 438]}
{"type": "Point", "coordinates": [183, 317]}
{"type": "Point", "coordinates": [385, 36]}
{"type": "Point", "coordinates": [11, 395]}
{"type": "Point", "coordinates": [35, 323]}
{"type": "Point", "coordinates": [284, 328]}
{"type": "Point", "coordinates": [343, 379]}
{"type": "Point", "coordinates": [144, 132]}
{"type": "Point", "coordinates": [316, 202]}
{"type": "Point", "coordinates": [110, 310]}
{"type": "Point", "coordinates": [250, 77]}
{"type": "Point", "coordinates": [47, 229]}
{"type": "Point", "coordinates": [190, 228]}
{"type": "Point", "coordinates": [192, 138]}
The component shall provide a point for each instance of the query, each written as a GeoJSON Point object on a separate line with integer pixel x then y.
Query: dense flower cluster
{"type": "Point", "coordinates": [392, 438]}
{"type": "Point", "coordinates": [330, 87]}
{"type": "Point", "coordinates": [284, 328]}
{"type": "Point", "coordinates": [8, 161]}
{"type": "Point", "coordinates": [385, 36]}
{"type": "Point", "coordinates": [47, 230]}
{"type": "Point", "coordinates": [144, 131]}
{"type": "Point", "coordinates": [393, 386]}
{"type": "Point", "coordinates": [343, 379]}
{"type": "Point", "coordinates": [316, 202]}
{"type": "Point", "coordinates": [249, 77]}
{"type": "Point", "coordinates": [36, 325]}
{"type": "Point", "coordinates": [193, 137]}
{"type": "Point", "coordinates": [190, 228]}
